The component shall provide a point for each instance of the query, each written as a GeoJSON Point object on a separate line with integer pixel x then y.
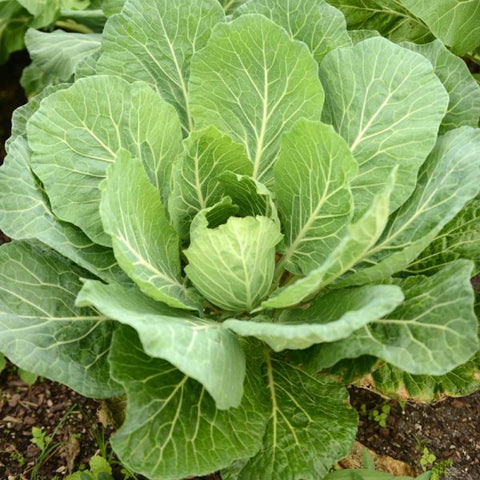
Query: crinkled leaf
{"type": "Point", "coordinates": [201, 349]}
{"type": "Point", "coordinates": [389, 17]}
{"type": "Point", "coordinates": [448, 180]}
{"type": "Point", "coordinates": [25, 214]}
{"type": "Point", "coordinates": [196, 177]}
{"type": "Point", "coordinates": [42, 331]}
{"type": "Point", "coordinates": [154, 41]}
{"type": "Point", "coordinates": [76, 133]}
{"type": "Point", "coordinates": [253, 81]}
{"type": "Point", "coordinates": [464, 92]}
{"type": "Point", "coordinates": [330, 317]}
{"type": "Point", "coordinates": [459, 239]}
{"type": "Point", "coordinates": [388, 104]}
{"type": "Point", "coordinates": [145, 244]}
{"type": "Point", "coordinates": [315, 22]}
{"type": "Point", "coordinates": [432, 332]}
{"type": "Point", "coordinates": [312, 177]}
{"type": "Point", "coordinates": [233, 264]}
{"type": "Point", "coordinates": [358, 240]}
{"type": "Point", "coordinates": [172, 428]}
{"type": "Point", "coordinates": [393, 382]}
{"type": "Point", "coordinates": [455, 22]}
{"type": "Point", "coordinates": [56, 55]}
{"type": "Point", "coordinates": [311, 426]}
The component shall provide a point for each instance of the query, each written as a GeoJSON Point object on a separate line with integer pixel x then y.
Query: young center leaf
{"type": "Point", "coordinates": [253, 81]}
{"type": "Point", "coordinates": [387, 103]}
{"type": "Point", "coordinates": [145, 244]}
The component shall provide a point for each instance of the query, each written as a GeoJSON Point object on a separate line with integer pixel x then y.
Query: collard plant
{"type": "Point", "coordinates": [221, 212]}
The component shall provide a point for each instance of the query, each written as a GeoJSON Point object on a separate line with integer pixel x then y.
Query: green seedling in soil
{"type": "Point", "coordinates": [380, 416]}
{"type": "Point", "coordinates": [100, 469]}
{"type": "Point", "coordinates": [429, 460]}
{"type": "Point", "coordinates": [40, 438]}
{"type": "Point", "coordinates": [18, 457]}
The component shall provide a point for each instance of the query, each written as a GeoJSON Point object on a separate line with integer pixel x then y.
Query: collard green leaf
{"type": "Point", "coordinates": [233, 264]}
{"type": "Point", "coordinates": [312, 177]}
{"type": "Point", "coordinates": [253, 82]}
{"type": "Point", "coordinates": [464, 106]}
{"type": "Point", "coordinates": [25, 214]}
{"type": "Point", "coordinates": [315, 22]}
{"type": "Point", "coordinates": [55, 55]}
{"type": "Point", "coordinates": [201, 349]}
{"type": "Point", "coordinates": [460, 238]}
{"type": "Point", "coordinates": [388, 104]}
{"type": "Point", "coordinates": [172, 428]}
{"type": "Point", "coordinates": [145, 244]}
{"type": "Point", "coordinates": [14, 20]}
{"type": "Point", "coordinates": [393, 382]}
{"type": "Point", "coordinates": [358, 240]}
{"type": "Point", "coordinates": [76, 134]}
{"type": "Point", "coordinates": [330, 317]}
{"type": "Point", "coordinates": [455, 22]}
{"type": "Point", "coordinates": [111, 7]}
{"type": "Point", "coordinates": [448, 180]}
{"type": "Point", "coordinates": [389, 17]}
{"type": "Point", "coordinates": [40, 328]}
{"type": "Point", "coordinates": [311, 426]}
{"type": "Point", "coordinates": [154, 41]}
{"type": "Point", "coordinates": [432, 332]}
{"type": "Point", "coordinates": [196, 177]}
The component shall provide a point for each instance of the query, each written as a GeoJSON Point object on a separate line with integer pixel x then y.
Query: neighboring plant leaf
{"type": "Point", "coordinates": [233, 265]}
{"type": "Point", "coordinates": [145, 244]}
{"type": "Point", "coordinates": [20, 191]}
{"type": "Point", "coordinates": [172, 428]}
{"type": "Point", "coordinates": [311, 425]}
{"type": "Point", "coordinates": [76, 133]}
{"type": "Point", "coordinates": [56, 55]}
{"type": "Point", "coordinates": [361, 474]}
{"type": "Point", "coordinates": [3, 362]}
{"type": "Point", "coordinates": [111, 7]}
{"type": "Point", "coordinates": [464, 92]}
{"type": "Point", "coordinates": [14, 21]}
{"type": "Point", "coordinates": [312, 177]}
{"type": "Point", "coordinates": [330, 317]}
{"type": "Point", "coordinates": [196, 179]}
{"type": "Point", "coordinates": [356, 243]}
{"type": "Point", "coordinates": [40, 328]}
{"type": "Point", "coordinates": [27, 377]}
{"type": "Point", "coordinates": [154, 40]}
{"type": "Point", "coordinates": [460, 238]}
{"type": "Point", "coordinates": [393, 382]}
{"type": "Point", "coordinates": [389, 17]}
{"type": "Point", "coordinates": [432, 332]}
{"type": "Point", "coordinates": [448, 180]}
{"type": "Point", "coordinates": [44, 11]}
{"type": "Point", "coordinates": [383, 84]}
{"type": "Point", "coordinates": [455, 22]}
{"type": "Point", "coordinates": [267, 82]}
{"type": "Point", "coordinates": [176, 336]}
{"type": "Point", "coordinates": [315, 22]}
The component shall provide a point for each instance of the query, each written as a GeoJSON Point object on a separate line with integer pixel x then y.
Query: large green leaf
{"type": "Point", "coordinates": [201, 349]}
{"type": "Point", "coordinates": [389, 17]}
{"type": "Point", "coordinates": [330, 317]}
{"type": "Point", "coordinates": [448, 180]}
{"type": "Point", "coordinates": [388, 105]}
{"type": "Point", "coordinates": [432, 332]}
{"type": "Point", "coordinates": [253, 81]}
{"type": "Point", "coordinates": [76, 133]}
{"type": "Point", "coordinates": [355, 244]}
{"type": "Point", "coordinates": [154, 41]}
{"type": "Point", "coordinates": [315, 22]}
{"type": "Point", "coordinates": [460, 238]}
{"type": "Point", "coordinates": [25, 214]}
{"type": "Point", "coordinates": [196, 179]}
{"type": "Point", "coordinates": [233, 265]}
{"type": "Point", "coordinates": [145, 244]}
{"type": "Point", "coordinates": [172, 428]}
{"type": "Point", "coordinates": [56, 55]}
{"type": "Point", "coordinates": [455, 22]}
{"type": "Point", "coordinates": [42, 331]}
{"type": "Point", "coordinates": [311, 426]}
{"type": "Point", "coordinates": [312, 180]}
{"type": "Point", "coordinates": [464, 92]}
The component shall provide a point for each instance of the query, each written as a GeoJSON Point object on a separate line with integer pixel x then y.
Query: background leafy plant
{"type": "Point", "coordinates": [218, 208]}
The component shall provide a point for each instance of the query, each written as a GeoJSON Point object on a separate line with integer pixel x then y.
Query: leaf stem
{"type": "Point", "coordinates": [72, 26]}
